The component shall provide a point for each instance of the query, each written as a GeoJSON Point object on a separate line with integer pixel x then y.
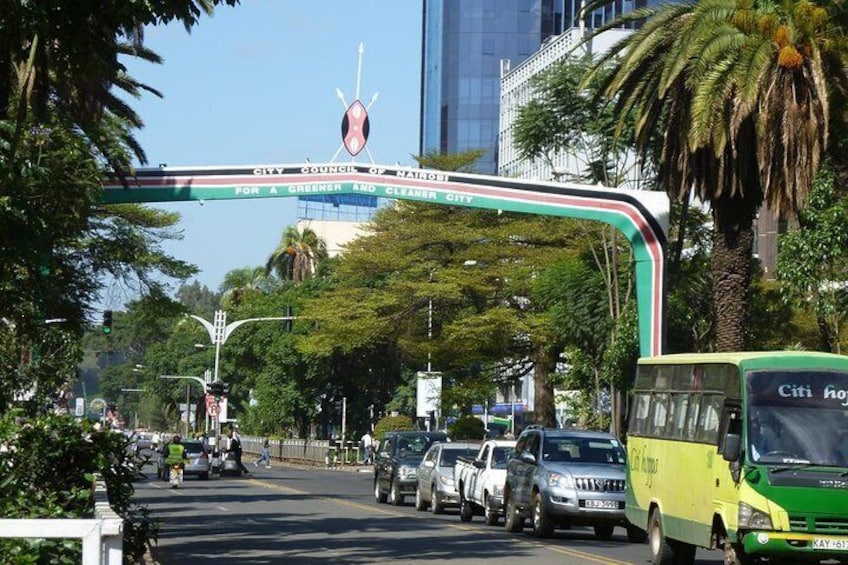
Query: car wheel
{"type": "Point", "coordinates": [466, 513]}
{"type": "Point", "coordinates": [513, 522]}
{"type": "Point", "coordinates": [604, 532]}
{"type": "Point", "coordinates": [379, 496]}
{"type": "Point", "coordinates": [543, 525]}
{"type": "Point", "coordinates": [395, 497]}
{"type": "Point", "coordinates": [436, 506]}
{"type": "Point", "coordinates": [420, 505]}
{"type": "Point", "coordinates": [636, 534]}
{"type": "Point", "coordinates": [490, 512]}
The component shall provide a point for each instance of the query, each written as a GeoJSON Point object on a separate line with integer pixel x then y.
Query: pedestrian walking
{"type": "Point", "coordinates": [367, 444]}
{"type": "Point", "coordinates": [264, 454]}
{"type": "Point", "coordinates": [235, 447]}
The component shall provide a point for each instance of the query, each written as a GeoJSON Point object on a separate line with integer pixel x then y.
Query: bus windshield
{"type": "Point", "coordinates": [798, 417]}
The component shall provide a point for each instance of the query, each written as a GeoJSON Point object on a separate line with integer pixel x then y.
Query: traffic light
{"type": "Point", "coordinates": [225, 389]}
{"type": "Point", "coordinates": [107, 322]}
{"type": "Point", "coordinates": [216, 390]}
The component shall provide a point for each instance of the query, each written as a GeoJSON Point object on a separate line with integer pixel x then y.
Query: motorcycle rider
{"type": "Point", "coordinates": [176, 455]}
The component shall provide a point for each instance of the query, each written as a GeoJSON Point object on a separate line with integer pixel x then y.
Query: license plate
{"type": "Point", "coordinates": [607, 504]}
{"type": "Point", "coordinates": [826, 543]}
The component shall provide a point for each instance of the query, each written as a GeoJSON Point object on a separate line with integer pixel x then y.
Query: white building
{"type": "Point", "coordinates": [517, 91]}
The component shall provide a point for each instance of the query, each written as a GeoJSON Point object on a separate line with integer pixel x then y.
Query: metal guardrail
{"type": "Point", "coordinates": [102, 536]}
{"type": "Point", "coordinates": [310, 451]}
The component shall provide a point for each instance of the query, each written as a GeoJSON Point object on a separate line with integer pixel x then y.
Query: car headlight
{"type": "Point", "coordinates": [408, 472]}
{"type": "Point", "coordinates": [447, 481]}
{"type": "Point", "coordinates": [560, 480]}
{"type": "Point", "coordinates": [750, 517]}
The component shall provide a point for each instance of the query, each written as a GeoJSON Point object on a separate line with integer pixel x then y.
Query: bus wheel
{"type": "Point", "coordinates": [735, 555]}
{"type": "Point", "coordinates": [662, 552]}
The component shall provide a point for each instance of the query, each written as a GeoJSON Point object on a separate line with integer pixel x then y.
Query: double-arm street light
{"type": "Point", "coordinates": [219, 331]}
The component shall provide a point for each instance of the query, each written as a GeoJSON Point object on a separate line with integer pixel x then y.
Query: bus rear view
{"type": "Point", "coordinates": [743, 452]}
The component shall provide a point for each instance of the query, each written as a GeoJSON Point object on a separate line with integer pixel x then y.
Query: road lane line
{"type": "Point", "coordinates": [221, 508]}
{"type": "Point", "coordinates": [467, 528]}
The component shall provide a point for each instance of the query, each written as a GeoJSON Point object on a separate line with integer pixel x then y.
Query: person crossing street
{"type": "Point", "coordinates": [264, 454]}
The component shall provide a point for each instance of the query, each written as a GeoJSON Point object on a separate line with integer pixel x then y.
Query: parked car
{"type": "Point", "coordinates": [436, 487]}
{"type": "Point", "coordinates": [396, 463]}
{"type": "Point", "coordinates": [197, 460]}
{"type": "Point", "coordinates": [480, 481]}
{"type": "Point", "coordinates": [564, 478]}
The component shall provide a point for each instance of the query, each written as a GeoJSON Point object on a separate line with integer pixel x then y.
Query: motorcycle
{"type": "Point", "coordinates": [176, 475]}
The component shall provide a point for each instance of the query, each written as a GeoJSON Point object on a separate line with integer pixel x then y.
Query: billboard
{"type": "Point", "coordinates": [429, 393]}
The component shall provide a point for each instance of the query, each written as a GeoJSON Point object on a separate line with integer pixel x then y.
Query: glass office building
{"type": "Point", "coordinates": [463, 44]}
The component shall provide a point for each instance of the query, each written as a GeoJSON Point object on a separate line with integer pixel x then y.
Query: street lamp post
{"type": "Point", "coordinates": [219, 331]}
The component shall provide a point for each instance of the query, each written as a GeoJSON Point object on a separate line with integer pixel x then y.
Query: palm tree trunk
{"type": "Point", "coordinates": [733, 237]}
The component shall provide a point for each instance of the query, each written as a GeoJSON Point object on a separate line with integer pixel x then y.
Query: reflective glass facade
{"type": "Point", "coordinates": [464, 42]}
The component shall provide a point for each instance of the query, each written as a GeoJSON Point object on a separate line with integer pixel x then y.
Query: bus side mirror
{"type": "Point", "coordinates": [732, 445]}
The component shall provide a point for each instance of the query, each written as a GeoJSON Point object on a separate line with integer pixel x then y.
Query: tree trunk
{"type": "Point", "coordinates": [733, 237]}
{"type": "Point", "coordinates": [544, 365]}
{"type": "Point", "coordinates": [617, 400]}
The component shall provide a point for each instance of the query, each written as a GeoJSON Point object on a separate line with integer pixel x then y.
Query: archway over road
{"type": "Point", "coordinates": [641, 216]}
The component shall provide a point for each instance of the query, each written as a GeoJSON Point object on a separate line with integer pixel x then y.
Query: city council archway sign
{"type": "Point", "coordinates": [640, 215]}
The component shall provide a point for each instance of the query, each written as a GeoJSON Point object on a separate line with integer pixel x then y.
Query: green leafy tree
{"type": "Point", "coordinates": [467, 428]}
{"type": "Point", "coordinates": [812, 262]}
{"type": "Point", "coordinates": [738, 97]}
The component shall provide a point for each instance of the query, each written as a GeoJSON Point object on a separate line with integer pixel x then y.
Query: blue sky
{"type": "Point", "coordinates": [256, 84]}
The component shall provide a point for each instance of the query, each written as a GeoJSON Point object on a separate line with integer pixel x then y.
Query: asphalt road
{"type": "Point", "coordinates": [303, 516]}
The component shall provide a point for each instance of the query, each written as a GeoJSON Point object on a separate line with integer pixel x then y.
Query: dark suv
{"type": "Point", "coordinates": [396, 463]}
{"type": "Point", "coordinates": [564, 477]}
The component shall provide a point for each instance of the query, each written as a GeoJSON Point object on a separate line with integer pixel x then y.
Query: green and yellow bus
{"type": "Point", "coordinates": [743, 452]}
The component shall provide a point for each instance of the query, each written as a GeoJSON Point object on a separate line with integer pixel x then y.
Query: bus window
{"type": "Point", "coordinates": [692, 417]}
{"type": "Point", "coordinates": [659, 408]}
{"type": "Point", "coordinates": [678, 416]}
{"type": "Point", "coordinates": [641, 405]}
{"type": "Point", "coordinates": [710, 418]}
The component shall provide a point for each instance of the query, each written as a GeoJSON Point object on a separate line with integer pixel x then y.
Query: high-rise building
{"type": "Point", "coordinates": [464, 42]}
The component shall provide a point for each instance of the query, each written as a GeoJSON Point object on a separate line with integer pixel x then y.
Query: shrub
{"type": "Point", "coordinates": [49, 464]}
{"type": "Point", "coordinates": [392, 424]}
{"type": "Point", "coordinates": [467, 427]}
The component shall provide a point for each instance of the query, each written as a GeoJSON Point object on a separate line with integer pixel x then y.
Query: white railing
{"type": "Point", "coordinates": [102, 536]}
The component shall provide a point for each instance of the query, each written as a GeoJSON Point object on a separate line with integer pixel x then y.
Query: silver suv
{"type": "Point", "coordinates": [564, 477]}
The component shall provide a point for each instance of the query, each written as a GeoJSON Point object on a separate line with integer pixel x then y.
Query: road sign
{"type": "Point", "coordinates": [211, 405]}
{"type": "Point", "coordinates": [98, 405]}
{"type": "Point", "coordinates": [79, 409]}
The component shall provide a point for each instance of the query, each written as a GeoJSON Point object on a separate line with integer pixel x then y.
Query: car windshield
{"type": "Point", "coordinates": [193, 446]}
{"type": "Point", "coordinates": [449, 456]}
{"type": "Point", "coordinates": [414, 447]}
{"type": "Point", "coordinates": [583, 450]}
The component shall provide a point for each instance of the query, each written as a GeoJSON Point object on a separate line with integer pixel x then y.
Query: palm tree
{"type": "Point", "coordinates": [296, 256]}
{"type": "Point", "coordinates": [739, 96]}
{"type": "Point", "coordinates": [240, 282]}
